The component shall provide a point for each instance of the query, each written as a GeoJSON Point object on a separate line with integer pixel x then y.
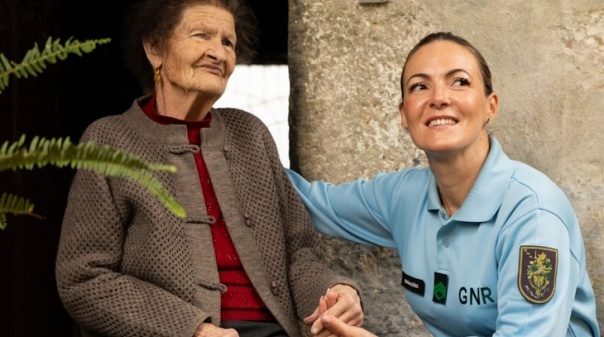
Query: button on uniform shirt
{"type": "Point", "coordinates": [510, 262]}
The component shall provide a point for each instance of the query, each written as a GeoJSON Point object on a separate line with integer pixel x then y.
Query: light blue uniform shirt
{"type": "Point", "coordinates": [509, 262]}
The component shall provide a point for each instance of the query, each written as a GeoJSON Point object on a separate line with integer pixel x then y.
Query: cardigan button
{"type": "Point", "coordinates": [247, 219]}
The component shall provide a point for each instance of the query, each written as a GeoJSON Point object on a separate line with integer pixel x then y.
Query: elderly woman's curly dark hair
{"type": "Point", "coordinates": [154, 21]}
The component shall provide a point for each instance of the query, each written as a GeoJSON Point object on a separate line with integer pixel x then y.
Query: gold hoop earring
{"type": "Point", "coordinates": [157, 76]}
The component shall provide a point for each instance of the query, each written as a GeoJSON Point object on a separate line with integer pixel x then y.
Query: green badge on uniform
{"type": "Point", "coordinates": [441, 282]}
{"type": "Point", "coordinates": [537, 273]}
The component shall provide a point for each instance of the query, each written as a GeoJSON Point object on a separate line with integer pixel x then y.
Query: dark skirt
{"type": "Point", "coordinates": [255, 329]}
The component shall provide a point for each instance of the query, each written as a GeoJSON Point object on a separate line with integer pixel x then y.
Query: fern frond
{"type": "Point", "coordinates": [61, 152]}
{"type": "Point", "coordinates": [11, 204]}
{"type": "Point", "coordinates": [34, 61]}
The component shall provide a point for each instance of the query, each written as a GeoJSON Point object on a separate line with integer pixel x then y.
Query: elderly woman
{"type": "Point", "coordinates": [489, 246]}
{"type": "Point", "coordinates": [243, 262]}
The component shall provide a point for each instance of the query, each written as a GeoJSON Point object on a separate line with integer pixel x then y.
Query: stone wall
{"type": "Point", "coordinates": [547, 59]}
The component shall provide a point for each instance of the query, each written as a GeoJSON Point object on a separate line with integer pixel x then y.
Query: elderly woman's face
{"type": "Point", "coordinates": [445, 106]}
{"type": "Point", "coordinates": [200, 54]}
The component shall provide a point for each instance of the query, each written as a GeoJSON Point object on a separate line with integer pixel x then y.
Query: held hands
{"type": "Point", "coordinates": [341, 302]}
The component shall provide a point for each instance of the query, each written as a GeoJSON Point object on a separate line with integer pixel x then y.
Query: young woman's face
{"type": "Point", "coordinates": [200, 54]}
{"type": "Point", "coordinates": [445, 106]}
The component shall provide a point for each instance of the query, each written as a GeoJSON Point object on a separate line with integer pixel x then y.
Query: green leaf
{"type": "Point", "coordinates": [61, 152]}
{"type": "Point", "coordinates": [34, 60]}
{"type": "Point", "coordinates": [12, 204]}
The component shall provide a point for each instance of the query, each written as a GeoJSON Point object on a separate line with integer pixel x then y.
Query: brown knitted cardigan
{"type": "Point", "coordinates": [128, 267]}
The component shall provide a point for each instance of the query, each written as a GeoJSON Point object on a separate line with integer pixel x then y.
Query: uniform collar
{"type": "Point", "coordinates": [488, 191]}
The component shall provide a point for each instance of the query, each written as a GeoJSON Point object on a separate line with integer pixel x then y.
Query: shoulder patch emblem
{"type": "Point", "coordinates": [537, 267]}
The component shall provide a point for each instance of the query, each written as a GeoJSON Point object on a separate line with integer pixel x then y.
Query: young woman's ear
{"type": "Point", "coordinates": [493, 106]}
{"type": "Point", "coordinates": [402, 113]}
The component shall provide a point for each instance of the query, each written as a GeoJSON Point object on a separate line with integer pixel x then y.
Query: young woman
{"type": "Point", "coordinates": [489, 246]}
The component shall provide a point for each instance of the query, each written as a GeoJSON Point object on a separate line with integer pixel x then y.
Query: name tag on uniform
{"type": "Point", "coordinates": [413, 284]}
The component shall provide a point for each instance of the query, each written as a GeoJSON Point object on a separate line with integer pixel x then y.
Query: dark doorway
{"type": "Point", "coordinates": [61, 102]}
